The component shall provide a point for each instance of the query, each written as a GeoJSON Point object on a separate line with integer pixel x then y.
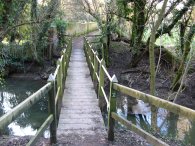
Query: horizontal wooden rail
{"type": "Point", "coordinates": [57, 95]}
{"type": "Point", "coordinates": [150, 138]}
{"type": "Point", "coordinates": [98, 59]}
{"type": "Point", "coordinates": [93, 51]}
{"type": "Point", "coordinates": [43, 127]}
{"type": "Point", "coordinates": [97, 77]}
{"type": "Point", "coordinates": [106, 72]}
{"type": "Point", "coordinates": [56, 71]}
{"type": "Point", "coordinates": [105, 96]}
{"type": "Point", "coordinates": [7, 118]}
{"type": "Point", "coordinates": [158, 102]}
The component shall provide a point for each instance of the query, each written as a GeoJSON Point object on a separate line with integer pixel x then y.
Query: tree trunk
{"type": "Point", "coordinates": [189, 37]}
{"type": "Point", "coordinates": [108, 37]}
{"type": "Point", "coordinates": [33, 27]}
{"type": "Point", "coordinates": [138, 29]}
{"type": "Point", "coordinates": [4, 17]}
{"type": "Point", "coordinates": [152, 63]}
{"type": "Point", "coordinates": [33, 10]}
{"type": "Point", "coordinates": [167, 28]}
{"type": "Point", "coordinates": [182, 34]}
{"type": "Point", "coordinates": [51, 12]}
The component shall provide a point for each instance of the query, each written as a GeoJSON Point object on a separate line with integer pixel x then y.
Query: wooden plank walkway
{"type": "Point", "coordinates": [80, 122]}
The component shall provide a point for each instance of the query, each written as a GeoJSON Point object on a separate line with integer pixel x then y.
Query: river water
{"type": "Point", "coordinates": [13, 92]}
{"type": "Point", "coordinates": [170, 126]}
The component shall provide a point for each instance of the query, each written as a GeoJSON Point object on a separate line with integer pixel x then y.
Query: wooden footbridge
{"type": "Point", "coordinates": [74, 115]}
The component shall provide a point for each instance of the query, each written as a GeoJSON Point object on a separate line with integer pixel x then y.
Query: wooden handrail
{"type": "Point", "coordinates": [54, 100]}
{"type": "Point", "coordinates": [10, 116]}
{"type": "Point", "coordinates": [153, 100]}
{"type": "Point", "coordinates": [43, 127]}
{"type": "Point", "coordinates": [106, 72]}
{"type": "Point", "coordinates": [56, 71]}
{"type": "Point", "coordinates": [150, 138]}
{"type": "Point", "coordinates": [105, 96]}
{"type": "Point", "coordinates": [156, 101]}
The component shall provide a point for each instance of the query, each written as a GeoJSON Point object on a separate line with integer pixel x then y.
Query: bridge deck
{"type": "Point", "coordinates": [80, 118]}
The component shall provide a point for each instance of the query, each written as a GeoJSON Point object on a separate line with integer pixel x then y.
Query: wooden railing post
{"type": "Point", "coordinates": [85, 50]}
{"type": "Point", "coordinates": [52, 110]}
{"type": "Point", "coordinates": [101, 82]}
{"type": "Point", "coordinates": [92, 56]}
{"type": "Point", "coordinates": [112, 108]}
{"type": "Point", "coordinates": [95, 63]}
{"type": "Point", "coordinates": [67, 63]}
{"type": "Point", "coordinates": [90, 59]}
{"type": "Point", "coordinates": [63, 64]}
{"type": "Point", "coordinates": [84, 44]}
{"type": "Point", "coordinates": [88, 54]}
{"type": "Point", "coordinates": [70, 50]}
{"type": "Point", "coordinates": [59, 77]}
{"type": "Point", "coordinates": [70, 44]}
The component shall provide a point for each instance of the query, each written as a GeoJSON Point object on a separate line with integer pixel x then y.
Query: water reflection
{"type": "Point", "coordinates": [169, 125]}
{"type": "Point", "coordinates": [14, 92]}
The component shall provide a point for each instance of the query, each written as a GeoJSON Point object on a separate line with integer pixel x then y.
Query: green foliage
{"type": "Point", "coordinates": [9, 59]}
{"type": "Point", "coordinates": [61, 26]}
{"type": "Point", "coordinates": [123, 8]}
{"type": "Point", "coordinates": [21, 40]}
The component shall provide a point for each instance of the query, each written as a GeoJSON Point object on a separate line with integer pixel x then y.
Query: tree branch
{"type": "Point", "coordinates": [176, 18]}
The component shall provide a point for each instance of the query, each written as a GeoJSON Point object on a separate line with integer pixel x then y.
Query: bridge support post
{"type": "Point", "coordinates": [86, 51]}
{"type": "Point", "coordinates": [95, 63]}
{"type": "Point", "coordinates": [63, 64]}
{"type": "Point", "coordinates": [59, 77]}
{"type": "Point", "coordinates": [89, 52]}
{"type": "Point", "coordinates": [101, 82]}
{"type": "Point", "coordinates": [67, 63]}
{"type": "Point", "coordinates": [69, 49]}
{"type": "Point", "coordinates": [52, 110]}
{"type": "Point", "coordinates": [112, 108]}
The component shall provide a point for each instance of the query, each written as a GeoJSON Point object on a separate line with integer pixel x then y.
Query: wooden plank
{"type": "Point", "coordinates": [83, 107]}
{"type": "Point", "coordinates": [80, 111]}
{"type": "Point", "coordinates": [80, 120]}
{"type": "Point", "coordinates": [158, 102]}
{"type": "Point", "coordinates": [23, 106]}
{"type": "Point", "coordinates": [150, 138]}
{"type": "Point", "coordinates": [80, 126]}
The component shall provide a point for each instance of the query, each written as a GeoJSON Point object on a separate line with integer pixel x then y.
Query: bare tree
{"type": "Point", "coordinates": [152, 60]}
